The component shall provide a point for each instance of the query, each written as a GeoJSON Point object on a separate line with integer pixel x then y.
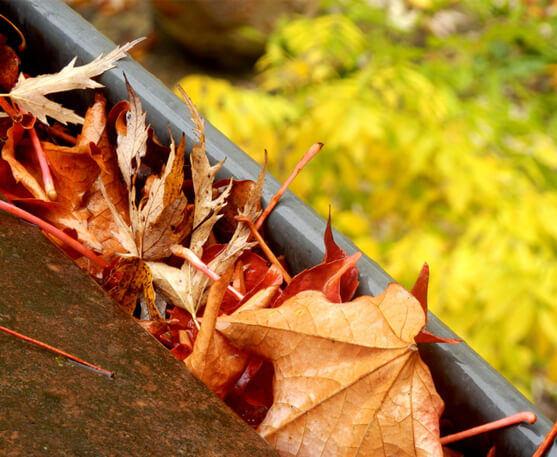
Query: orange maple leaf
{"type": "Point", "coordinates": [348, 380]}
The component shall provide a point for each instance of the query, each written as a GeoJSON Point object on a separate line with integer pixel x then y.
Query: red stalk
{"type": "Point", "coordinates": [45, 170]}
{"type": "Point", "coordinates": [68, 240]}
{"type": "Point", "coordinates": [9, 109]}
{"type": "Point", "coordinates": [272, 258]}
{"type": "Point", "coordinates": [196, 262]}
{"type": "Point", "coordinates": [517, 418]}
{"type": "Point", "coordinates": [547, 441]}
{"type": "Point", "coordinates": [312, 151]}
{"type": "Point", "coordinates": [56, 351]}
{"type": "Point", "coordinates": [23, 43]}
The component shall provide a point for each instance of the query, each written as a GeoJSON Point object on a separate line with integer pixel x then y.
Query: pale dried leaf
{"type": "Point", "coordinates": [173, 283]}
{"type": "Point", "coordinates": [124, 233]}
{"type": "Point", "coordinates": [30, 93]}
{"type": "Point", "coordinates": [241, 236]}
{"type": "Point", "coordinates": [133, 145]}
{"type": "Point", "coordinates": [348, 378]}
{"type": "Point", "coordinates": [206, 212]}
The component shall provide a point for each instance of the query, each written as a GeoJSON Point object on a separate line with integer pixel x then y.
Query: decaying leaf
{"type": "Point", "coordinates": [214, 361]}
{"type": "Point", "coordinates": [20, 172]}
{"type": "Point", "coordinates": [207, 209]}
{"type": "Point", "coordinates": [30, 93]}
{"type": "Point", "coordinates": [159, 220]}
{"type": "Point", "coordinates": [348, 377]}
{"type": "Point", "coordinates": [127, 281]}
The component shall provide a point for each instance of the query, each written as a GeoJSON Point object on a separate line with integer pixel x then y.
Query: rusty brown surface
{"type": "Point", "coordinates": [50, 406]}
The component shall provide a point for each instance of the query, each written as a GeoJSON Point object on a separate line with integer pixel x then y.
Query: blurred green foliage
{"type": "Point", "coordinates": [439, 120]}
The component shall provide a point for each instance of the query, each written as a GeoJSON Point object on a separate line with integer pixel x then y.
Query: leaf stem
{"type": "Point", "coordinates": [56, 351]}
{"type": "Point", "coordinates": [310, 154]}
{"type": "Point", "coordinates": [68, 240]}
{"type": "Point", "coordinates": [197, 263]}
{"type": "Point", "coordinates": [45, 169]}
{"type": "Point", "coordinates": [9, 109]}
{"type": "Point", "coordinates": [514, 419]}
{"type": "Point", "coordinates": [62, 135]}
{"type": "Point", "coordinates": [23, 43]}
{"type": "Point", "coordinates": [270, 255]}
{"type": "Point", "coordinates": [547, 441]}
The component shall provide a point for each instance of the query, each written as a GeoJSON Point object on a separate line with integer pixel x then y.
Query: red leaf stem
{"type": "Point", "coordinates": [196, 262]}
{"type": "Point", "coordinates": [547, 441]}
{"type": "Point", "coordinates": [312, 151]}
{"type": "Point", "coordinates": [23, 43]}
{"type": "Point", "coordinates": [56, 351]}
{"type": "Point", "coordinates": [45, 169]}
{"type": "Point", "coordinates": [514, 419]}
{"type": "Point", "coordinates": [68, 240]}
{"type": "Point", "coordinates": [263, 245]}
{"type": "Point", "coordinates": [9, 109]}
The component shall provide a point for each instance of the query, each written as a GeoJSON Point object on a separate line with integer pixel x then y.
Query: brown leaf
{"type": "Point", "coordinates": [214, 361]}
{"type": "Point", "coordinates": [130, 278]}
{"type": "Point", "coordinates": [163, 209]}
{"type": "Point", "coordinates": [74, 173]}
{"type": "Point", "coordinates": [348, 377]}
{"type": "Point", "coordinates": [9, 66]}
{"type": "Point", "coordinates": [207, 209]}
{"type": "Point", "coordinates": [20, 172]}
{"type": "Point", "coordinates": [160, 219]}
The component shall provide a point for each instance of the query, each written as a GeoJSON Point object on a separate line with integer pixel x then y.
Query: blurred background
{"type": "Point", "coordinates": [439, 119]}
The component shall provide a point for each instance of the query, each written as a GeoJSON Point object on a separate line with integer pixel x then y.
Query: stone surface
{"type": "Point", "coordinates": [53, 407]}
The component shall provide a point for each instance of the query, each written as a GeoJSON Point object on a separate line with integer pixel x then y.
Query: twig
{"type": "Point", "coordinates": [23, 43]}
{"type": "Point", "coordinates": [272, 258]}
{"type": "Point", "coordinates": [56, 351]}
{"type": "Point", "coordinates": [547, 441]}
{"type": "Point", "coordinates": [8, 108]}
{"type": "Point", "coordinates": [517, 418]}
{"type": "Point", "coordinates": [312, 151]}
{"type": "Point", "coordinates": [188, 255]}
{"type": "Point", "coordinates": [68, 240]}
{"type": "Point", "coordinates": [62, 135]}
{"type": "Point", "coordinates": [45, 169]}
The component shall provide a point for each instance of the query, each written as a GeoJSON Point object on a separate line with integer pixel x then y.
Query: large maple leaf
{"type": "Point", "coordinates": [349, 380]}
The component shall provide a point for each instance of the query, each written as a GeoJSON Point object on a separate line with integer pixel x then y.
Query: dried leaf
{"type": "Point", "coordinates": [130, 278]}
{"type": "Point", "coordinates": [20, 172]}
{"type": "Point", "coordinates": [206, 212]}
{"type": "Point", "coordinates": [160, 220]}
{"type": "Point", "coordinates": [9, 66]}
{"type": "Point", "coordinates": [30, 93]}
{"type": "Point", "coordinates": [132, 143]}
{"type": "Point", "coordinates": [162, 210]}
{"type": "Point", "coordinates": [173, 283]}
{"type": "Point", "coordinates": [214, 361]}
{"type": "Point", "coordinates": [348, 378]}
{"type": "Point", "coordinates": [124, 233]}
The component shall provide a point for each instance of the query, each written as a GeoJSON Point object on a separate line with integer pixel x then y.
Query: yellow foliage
{"type": "Point", "coordinates": [413, 173]}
